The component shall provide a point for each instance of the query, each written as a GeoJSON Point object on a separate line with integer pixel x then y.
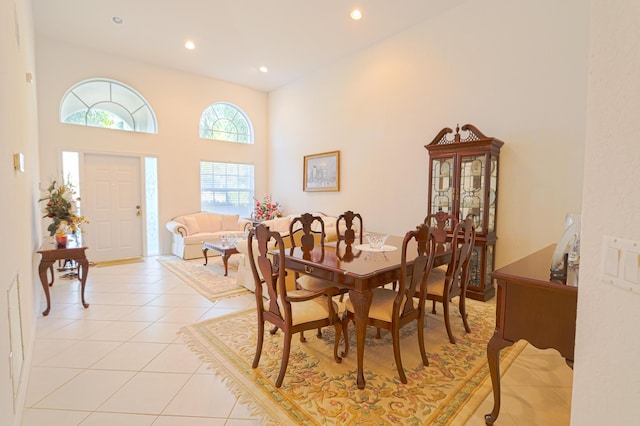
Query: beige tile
{"type": "Point", "coordinates": [242, 412]}
{"type": "Point", "coordinates": [111, 419]}
{"type": "Point", "coordinates": [146, 313]}
{"type": "Point", "coordinates": [243, 422]}
{"type": "Point", "coordinates": [181, 300]}
{"type": "Point", "coordinates": [44, 349]}
{"type": "Point", "coordinates": [79, 329]}
{"type": "Point", "coordinates": [160, 332]}
{"type": "Point", "coordinates": [146, 393]}
{"type": "Point", "coordinates": [82, 354]}
{"type": "Point", "coordinates": [175, 358]}
{"type": "Point", "coordinates": [188, 315]}
{"type": "Point", "coordinates": [45, 380]}
{"type": "Point", "coordinates": [57, 417]}
{"type": "Point", "coordinates": [189, 421]}
{"type": "Point", "coordinates": [133, 356]}
{"type": "Point", "coordinates": [538, 405]}
{"type": "Point", "coordinates": [86, 391]}
{"type": "Point", "coordinates": [197, 395]}
{"type": "Point", "coordinates": [119, 331]}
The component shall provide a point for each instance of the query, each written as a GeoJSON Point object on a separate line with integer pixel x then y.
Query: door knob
{"type": "Point", "coordinates": [138, 212]}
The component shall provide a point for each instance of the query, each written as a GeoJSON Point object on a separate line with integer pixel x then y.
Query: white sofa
{"type": "Point", "coordinates": [245, 276]}
{"type": "Point", "coordinates": [191, 230]}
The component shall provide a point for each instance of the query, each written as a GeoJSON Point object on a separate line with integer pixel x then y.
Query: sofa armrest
{"type": "Point", "coordinates": [244, 224]}
{"type": "Point", "coordinates": [177, 228]}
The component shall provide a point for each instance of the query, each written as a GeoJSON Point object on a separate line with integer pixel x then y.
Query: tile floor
{"type": "Point", "coordinates": [121, 362]}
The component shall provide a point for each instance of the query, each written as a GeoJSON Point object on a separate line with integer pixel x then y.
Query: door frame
{"type": "Point", "coordinates": [141, 179]}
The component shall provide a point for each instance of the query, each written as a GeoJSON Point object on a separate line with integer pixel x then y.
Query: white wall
{"type": "Point", "coordinates": [515, 69]}
{"type": "Point", "coordinates": [606, 374]}
{"type": "Point", "coordinates": [178, 100]}
{"type": "Point", "coordinates": [20, 215]}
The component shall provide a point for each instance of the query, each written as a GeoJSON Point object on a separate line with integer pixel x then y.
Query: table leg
{"type": "Point", "coordinates": [495, 345]}
{"type": "Point", "coordinates": [83, 269]}
{"type": "Point", "coordinates": [361, 303]}
{"type": "Point", "coordinates": [204, 251]}
{"type": "Point", "coordinates": [225, 260]}
{"type": "Point", "coordinates": [42, 270]}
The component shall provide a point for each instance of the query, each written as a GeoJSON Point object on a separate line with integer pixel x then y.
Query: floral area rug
{"type": "Point", "coordinates": [318, 391]}
{"type": "Point", "coordinates": [207, 280]}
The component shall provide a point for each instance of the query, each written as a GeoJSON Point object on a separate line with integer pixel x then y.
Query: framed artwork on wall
{"type": "Point", "coordinates": [322, 172]}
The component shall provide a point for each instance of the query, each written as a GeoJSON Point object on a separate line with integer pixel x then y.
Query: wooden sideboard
{"type": "Point", "coordinates": [530, 307]}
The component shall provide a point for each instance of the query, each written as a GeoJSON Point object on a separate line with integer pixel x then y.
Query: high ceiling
{"type": "Point", "coordinates": [233, 38]}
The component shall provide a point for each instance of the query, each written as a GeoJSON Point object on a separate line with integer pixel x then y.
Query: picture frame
{"type": "Point", "coordinates": [322, 172]}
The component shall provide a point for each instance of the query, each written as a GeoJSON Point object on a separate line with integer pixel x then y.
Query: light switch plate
{"type": "Point", "coordinates": [621, 263]}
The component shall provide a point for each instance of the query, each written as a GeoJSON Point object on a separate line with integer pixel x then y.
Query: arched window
{"type": "Point", "coordinates": [225, 122]}
{"type": "Point", "coordinates": [109, 104]}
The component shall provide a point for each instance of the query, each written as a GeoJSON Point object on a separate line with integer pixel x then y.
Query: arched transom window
{"type": "Point", "coordinates": [225, 122]}
{"type": "Point", "coordinates": [109, 104]}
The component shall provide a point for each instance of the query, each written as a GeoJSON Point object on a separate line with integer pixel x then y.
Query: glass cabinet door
{"type": "Point", "coordinates": [493, 188]}
{"type": "Point", "coordinates": [442, 173]}
{"type": "Point", "coordinates": [472, 184]}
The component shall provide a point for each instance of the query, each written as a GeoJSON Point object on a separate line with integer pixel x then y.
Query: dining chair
{"type": "Point", "coordinates": [349, 234]}
{"type": "Point", "coordinates": [306, 232]}
{"type": "Point", "coordinates": [290, 311]}
{"type": "Point", "coordinates": [392, 309]}
{"type": "Point", "coordinates": [445, 284]}
{"type": "Point", "coordinates": [443, 224]}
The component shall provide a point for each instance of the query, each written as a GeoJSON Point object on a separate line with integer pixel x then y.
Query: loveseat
{"type": "Point", "coordinates": [191, 230]}
{"type": "Point", "coordinates": [245, 276]}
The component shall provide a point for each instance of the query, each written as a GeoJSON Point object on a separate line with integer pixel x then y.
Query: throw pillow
{"type": "Point", "coordinates": [192, 225]}
{"type": "Point", "coordinates": [230, 222]}
{"type": "Point", "coordinates": [281, 225]}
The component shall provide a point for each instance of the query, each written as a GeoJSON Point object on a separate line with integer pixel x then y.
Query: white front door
{"type": "Point", "coordinates": [112, 204]}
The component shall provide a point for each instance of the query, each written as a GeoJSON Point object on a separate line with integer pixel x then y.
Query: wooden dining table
{"type": "Point", "coordinates": [359, 269]}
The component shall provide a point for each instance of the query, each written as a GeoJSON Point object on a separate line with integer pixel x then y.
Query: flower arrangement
{"type": "Point", "coordinates": [62, 207]}
{"type": "Point", "coordinates": [266, 209]}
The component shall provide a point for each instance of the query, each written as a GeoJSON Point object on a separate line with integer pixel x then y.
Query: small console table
{"type": "Point", "coordinates": [530, 307]}
{"type": "Point", "coordinates": [46, 264]}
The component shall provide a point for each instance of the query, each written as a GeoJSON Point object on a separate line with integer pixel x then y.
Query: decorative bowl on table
{"type": "Point", "coordinates": [376, 239]}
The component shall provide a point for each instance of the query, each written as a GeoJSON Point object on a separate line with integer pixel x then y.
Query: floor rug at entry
{"type": "Point", "coordinates": [318, 391]}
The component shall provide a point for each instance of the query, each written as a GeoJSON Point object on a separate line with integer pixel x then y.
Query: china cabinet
{"type": "Point", "coordinates": [463, 182]}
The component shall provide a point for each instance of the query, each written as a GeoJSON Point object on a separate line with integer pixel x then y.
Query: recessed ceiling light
{"type": "Point", "coordinates": [190, 45]}
{"type": "Point", "coordinates": [117, 20]}
{"type": "Point", "coordinates": [356, 14]}
{"type": "Point", "coordinates": [263, 69]}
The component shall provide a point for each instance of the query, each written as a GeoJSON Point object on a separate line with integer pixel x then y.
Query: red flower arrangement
{"type": "Point", "coordinates": [266, 209]}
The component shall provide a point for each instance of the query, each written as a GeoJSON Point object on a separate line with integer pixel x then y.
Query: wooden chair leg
{"type": "Point", "coordinates": [447, 321]}
{"type": "Point", "coordinates": [274, 329]}
{"type": "Point", "coordinates": [256, 358]}
{"type": "Point", "coordinates": [433, 308]}
{"type": "Point", "coordinates": [423, 353]}
{"type": "Point", "coordinates": [345, 326]}
{"type": "Point", "coordinates": [302, 338]}
{"type": "Point", "coordinates": [338, 327]}
{"type": "Point", "coordinates": [395, 334]}
{"type": "Point", "coordinates": [285, 359]}
{"type": "Point", "coordinates": [319, 333]}
{"type": "Point", "coordinates": [378, 334]}
{"type": "Point", "coordinates": [463, 313]}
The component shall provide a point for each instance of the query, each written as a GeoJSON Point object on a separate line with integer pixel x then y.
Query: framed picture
{"type": "Point", "coordinates": [322, 172]}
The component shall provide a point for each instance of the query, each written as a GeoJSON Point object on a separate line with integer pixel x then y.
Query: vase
{"type": "Point", "coordinates": [61, 241]}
